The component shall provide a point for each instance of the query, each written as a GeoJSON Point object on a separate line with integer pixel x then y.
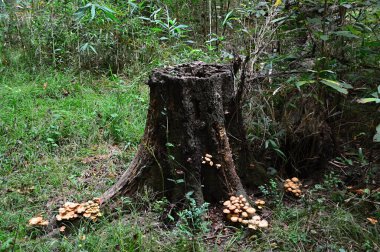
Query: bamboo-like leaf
{"type": "Point", "coordinates": [367, 100]}
{"type": "Point", "coordinates": [229, 14]}
{"type": "Point", "coordinates": [341, 87]}
{"type": "Point", "coordinates": [301, 83]}
{"type": "Point", "coordinates": [93, 12]}
{"type": "Point", "coordinates": [346, 34]}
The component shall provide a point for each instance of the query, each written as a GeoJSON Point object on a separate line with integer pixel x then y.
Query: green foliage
{"type": "Point", "coordinates": [191, 220]}
{"type": "Point", "coordinates": [55, 113]}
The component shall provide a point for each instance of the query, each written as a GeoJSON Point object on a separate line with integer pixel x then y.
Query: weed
{"type": "Point", "coordinates": [191, 220]}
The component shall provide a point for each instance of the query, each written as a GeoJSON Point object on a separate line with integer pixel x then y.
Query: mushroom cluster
{"type": "Point", "coordinates": [239, 210]}
{"type": "Point", "coordinates": [293, 186]}
{"type": "Point", "coordinates": [260, 203]}
{"type": "Point", "coordinates": [207, 159]}
{"type": "Point", "coordinates": [71, 210]}
{"type": "Point", "coordinates": [38, 222]}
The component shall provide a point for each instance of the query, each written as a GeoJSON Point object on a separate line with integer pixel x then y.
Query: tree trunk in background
{"type": "Point", "coordinates": [192, 112]}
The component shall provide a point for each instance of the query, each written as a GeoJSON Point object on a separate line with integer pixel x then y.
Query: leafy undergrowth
{"type": "Point", "coordinates": [64, 139]}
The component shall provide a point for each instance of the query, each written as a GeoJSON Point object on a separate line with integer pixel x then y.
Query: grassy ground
{"type": "Point", "coordinates": [67, 138]}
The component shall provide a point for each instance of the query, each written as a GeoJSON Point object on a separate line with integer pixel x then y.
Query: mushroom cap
{"type": "Point", "coordinates": [232, 207]}
{"type": "Point", "coordinates": [251, 226]}
{"type": "Point", "coordinates": [35, 220]}
{"type": "Point", "coordinates": [234, 219]}
{"type": "Point", "coordinates": [81, 209]}
{"type": "Point", "coordinates": [251, 210]}
{"type": "Point", "coordinates": [232, 198]}
{"type": "Point", "coordinates": [226, 211]}
{"type": "Point", "coordinates": [208, 155]}
{"type": "Point", "coordinates": [295, 180]}
{"type": "Point", "coordinates": [71, 204]}
{"type": "Point", "coordinates": [244, 214]}
{"type": "Point", "coordinates": [256, 218]}
{"type": "Point", "coordinates": [86, 215]}
{"type": "Point", "coordinates": [263, 224]}
{"type": "Point", "coordinates": [227, 203]}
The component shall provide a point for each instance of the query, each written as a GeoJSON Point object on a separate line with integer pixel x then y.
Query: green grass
{"type": "Point", "coordinates": [51, 122]}
{"type": "Point", "coordinates": [48, 124]}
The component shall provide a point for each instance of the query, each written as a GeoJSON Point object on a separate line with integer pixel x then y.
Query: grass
{"type": "Point", "coordinates": [68, 138]}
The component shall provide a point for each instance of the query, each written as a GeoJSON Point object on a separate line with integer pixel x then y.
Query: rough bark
{"type": "Point", "coordinates": [192, 111]}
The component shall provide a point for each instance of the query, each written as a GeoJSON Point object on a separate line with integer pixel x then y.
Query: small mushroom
{"type": "Point", "coordinates": [227, 203]}
{"type": "Point", "coordinates": [38, 221]}
{"type": "Point", "coordinates": [251, 210]}
{"type": "Point", "coordinates": [234, 219]}
{"type": "Point", "coordinates": [263, 224]}
{"type": "Point", "coordinates": [251, 226]}
{"type": "Point", "coordinates": [295, 180]}
{"type": "Point", "coordinates": [232, 207]}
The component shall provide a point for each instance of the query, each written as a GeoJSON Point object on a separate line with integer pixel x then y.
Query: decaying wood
{"type": "Point", "coordinates": [193, 111]}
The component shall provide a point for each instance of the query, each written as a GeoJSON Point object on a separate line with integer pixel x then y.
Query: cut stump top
{"type": "Point", "coordinates": [190, 71]}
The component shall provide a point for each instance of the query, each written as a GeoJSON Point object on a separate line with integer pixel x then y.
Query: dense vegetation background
{"type": "Point", "coordinates": [73, 104]}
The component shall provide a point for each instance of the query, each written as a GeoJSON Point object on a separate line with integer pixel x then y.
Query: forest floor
{"type": "Point", "coordinates": [66, 138]}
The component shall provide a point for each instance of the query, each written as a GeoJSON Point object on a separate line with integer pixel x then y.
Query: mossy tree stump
{"type": "Point", "coordinates": [193, 110]}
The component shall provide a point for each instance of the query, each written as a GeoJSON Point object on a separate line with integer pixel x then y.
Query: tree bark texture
{"type": "Point", "coordinates": [193, 111]}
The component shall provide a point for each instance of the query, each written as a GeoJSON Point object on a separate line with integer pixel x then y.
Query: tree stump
{"type": "Point", "coordinates": [192, 110]}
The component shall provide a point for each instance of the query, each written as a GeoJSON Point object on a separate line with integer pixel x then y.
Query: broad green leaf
{"type": "Point", "coordinates": [324, 37]}
{"type": "Point", "coordinates": [367, 100]}
{"type": "Point", "coordinates": [301, 83]}
{"type": "Point", "coordinates": [338, 86]}
{"type": "Point", "coordinates": [229, 14]}
{"type": "Point", "coordinates": [346, 34]}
